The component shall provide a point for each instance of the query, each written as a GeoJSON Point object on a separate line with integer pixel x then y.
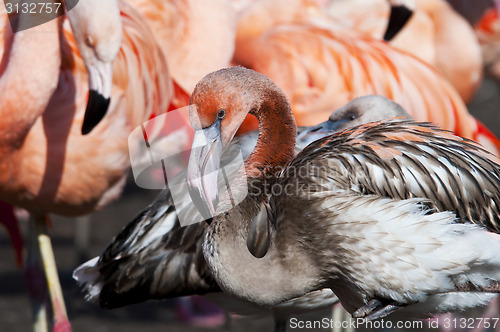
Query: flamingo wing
{"type": "Point", "coordinates": [403, 160]}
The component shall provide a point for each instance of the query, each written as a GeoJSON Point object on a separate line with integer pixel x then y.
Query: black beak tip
{"type": "Point", "coordinates": [97, 107]}
{"type": "Point", "coordinates": [327, 127]}
{"type": "Point", "coordinates": [397, 20]}
{"type": "Point", "coordinates": [333, 125]}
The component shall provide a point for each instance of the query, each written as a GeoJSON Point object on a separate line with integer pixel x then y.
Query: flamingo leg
{"type": "Point", "coordinates": [339, 316]}
{"type": "Point", "coordinates": [35, 283]}
{"type": "Point", "coordinates": [280, 325]}
{"type": "Point", "coordinates": [82, 230]}
{"type": "Point", "coordinates": [10, 222]}
{"type": "Point", "coordinates": [40, 322]}
{"type": "Point", "coordinates": [61, 322]}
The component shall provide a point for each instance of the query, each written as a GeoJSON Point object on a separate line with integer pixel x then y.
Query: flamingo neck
{"type": "Point", "coordinates": [281, 274]}
{"type": "Point", "coordinates": [29, 76]}
{"type": "Point", "coordinates": [276, 141]}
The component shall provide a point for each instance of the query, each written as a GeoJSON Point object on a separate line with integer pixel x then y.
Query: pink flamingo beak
{"type": "Point", "coordinates": [203, 169]}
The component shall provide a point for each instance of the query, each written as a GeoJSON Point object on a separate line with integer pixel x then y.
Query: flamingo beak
{"type": "Point", "coordinates": [203, 169]}
{"type": "Point", "coordinates": [310, 134]}
{"type": "Point", "coordinates": [100, 82]}
{"type": "Point", "coordinates": [400, 14]}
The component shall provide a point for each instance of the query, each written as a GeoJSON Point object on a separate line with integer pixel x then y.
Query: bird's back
{"type": "Point", "coordinates": [402, 160]}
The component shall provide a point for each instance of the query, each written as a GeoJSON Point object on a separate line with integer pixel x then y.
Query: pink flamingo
{"type": "Point", "coordinates": [47, 165]}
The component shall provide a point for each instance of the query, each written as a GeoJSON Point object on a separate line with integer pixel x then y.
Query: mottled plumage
{"type": "Point", "coordinates": [153, 257]}
{"type": "Point", "coordinates": [405, 160]}
{"type": "Point", "coordinates": [387, 194]}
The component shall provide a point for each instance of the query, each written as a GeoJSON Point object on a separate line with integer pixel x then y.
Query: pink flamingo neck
{"type": "Point", "coordinates": [29, 76]}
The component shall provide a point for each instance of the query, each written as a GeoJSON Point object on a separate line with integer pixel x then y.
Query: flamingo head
{"type": "Point", "coordinates": [219, 104]}
{"type": "Point", "coordinates": [97, 28]}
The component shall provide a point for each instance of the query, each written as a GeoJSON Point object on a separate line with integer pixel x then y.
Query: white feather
{"type": "Point", "coordinates": [86, 276]}
{"type": "Point", "coordinates": [408, 254]}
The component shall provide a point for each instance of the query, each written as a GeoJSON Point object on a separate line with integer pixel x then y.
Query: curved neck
{"type": "Point", "coordinates": [281, 274]}
{"type": "Point", "coordinates": [277, 133]}
{"type": "Point", "coordinates": [29, 76]}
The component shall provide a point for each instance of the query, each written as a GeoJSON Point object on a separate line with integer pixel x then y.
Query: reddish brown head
{"type": "Point", "coordinates": [235, 90]}
{"type": "Point", "coordinates": [219, 104]}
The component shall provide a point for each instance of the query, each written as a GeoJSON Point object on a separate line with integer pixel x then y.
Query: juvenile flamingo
{"type": "Point", "coordinates": [47, 165]}
{"type": "Point", "coordinates": [154, 257]}
{"type": "Point", "coordinates": [389, 215]}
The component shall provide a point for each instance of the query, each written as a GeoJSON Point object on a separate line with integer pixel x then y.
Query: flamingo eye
{"type": "Point", "coordinates": [221, 115]}
{"type": "Point", "coordinates": [350, 116]}
{"type": "Point", "coordinates": [90, 41]}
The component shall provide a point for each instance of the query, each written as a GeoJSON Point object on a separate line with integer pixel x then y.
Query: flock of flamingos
{"type": "Point", "coordinates": [404, 216]}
